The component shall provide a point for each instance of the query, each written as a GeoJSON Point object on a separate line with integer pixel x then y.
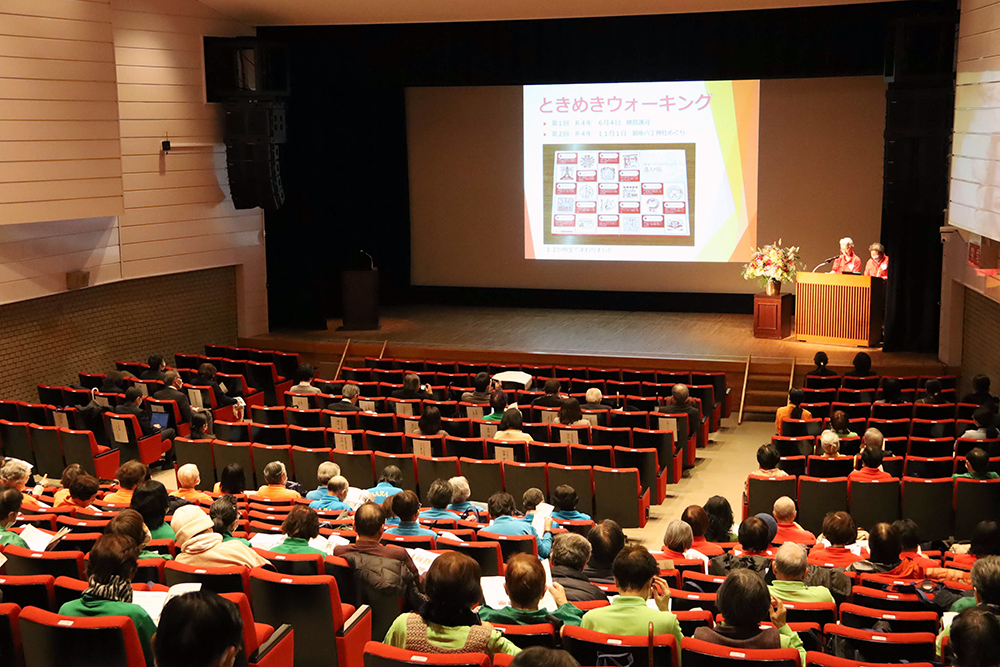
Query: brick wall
{"type": "Point", "coordinates": [979, 349]}
{"type": "Point", "coordinates": [50, 339]}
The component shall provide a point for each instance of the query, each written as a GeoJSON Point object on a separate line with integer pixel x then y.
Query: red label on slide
{"type": "Point", "coordinates": [628, 207]}
{"type": "Point", "coordinates": [652, 188]}
{"type": "Point", "coordinates": [565, 188]}
{"type": "Point", "coordinates": [607, 188]}
{"type": "Point", "coordinates": [607, 158]}
{"type": "Point", "coordinates": [652, 221]}
{"type": "Point", "coordinates": [584, 175]}
{"type": "Point", "coordinates": [674, 207]}
{"type": "Point", "coordinates": [564, 221]}
{"type": "Point", "coordinates": [565, 158]}
{"type": "Point", "coordinates": [586, 207]}
{"type": "Point", "coordinates": [607, 221]}
{"type": "Point", "coordinates": [628, 175]}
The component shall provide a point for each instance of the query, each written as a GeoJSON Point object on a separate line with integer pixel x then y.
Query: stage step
{"type": "Point", "coordinates": [763, 409]}
{"type": "Point", "coordinates": [775, 393]}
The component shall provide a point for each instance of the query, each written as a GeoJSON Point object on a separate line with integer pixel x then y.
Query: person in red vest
{"type": "Point", "coordinates": [847, 262]}
{"type": "Point", "coordinates": [789, 531]}
{"type": "Point", "coordinates": [878, 265]}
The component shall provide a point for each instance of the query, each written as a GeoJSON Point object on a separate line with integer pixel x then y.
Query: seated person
{"type": "Point", "coordinates": [530, 499]}
{"type": "Point", "coordinates": [111, 565]}
{"type": "Point", "coordinates": [405, 505]}
{"type": "Point", "coordinates": [413, 389]}
{"type": "Point", "coordinates": [677, 541]}
{"type": "Point", "coordinates": [156, 369]}
{"type": "Point", "coordinates": [985, 542]}
{"type": "Point", "coordinates": [789, 531]}
{"type": "Point", "coordinates": [564, 499]}
{"type": "Point", "coordinates": [768, 460]}
{"type": "Point", "coordinates": [133, 406]}
{"type": "Point", "coordinates": [681, 404]}
{"type": "Point", "coordinates": [720, 521]}
{"type": "Point", "coordinates": [841, 425]}
{"type": "Point", "coordinates": [232, 481]}
{"type": "Point", "coordinates": [369, 524]}
{"type": "Point", "coordinates": [885, 547]}
{"type": "Point", "coordinates": [570, 553]}
{"type": "Point", "coordinates": [189, 477]}
{"type": "Point", "coordinates": [981, 393]}
{"type": "Point", "coordinates": [130, 474]}
{"type": "Point", "coordinates": [460, 493]}
{"type": "Point", "coordinates": [447, 622]}
{"type": "Point", "coordinates": [326, 471]}
{"type": "Point", "coordinates": [129, 523]}
{"type": "Point", "coordinates": [430, 422]}
{"type": "Point", "coordinates": [984, 417]}
{"type": "Point", "coordinates": [300, 526]}
{"type": "Point", "coordinates": [821, 360]}
{"type": "Point", "coordinates": [498, 405]}
{"type": "Point", "coordinates": [606, 540]}
{"type": "Point", "coordinates": [975, 638]}
{"type": "Point", "coordinates": [336, 492]}
{"type": "Point", "coordinates": [16, 474]}
{"type": "Point", "coordinates": [200, 546]}
{"type": "Point", "coordinates": [593, 399]}
{"type": "Point", "coordinates": [10, 506]}
{"type": "Point", "coordinates": [696, 517]}
{"type": "Point", "coordinates": [206, 378]}
{"type": "Point", "coordinates": [481, 389]}
{"type": "Point", "coordinates": [871, 464]}
{"type": "Point", "coordinates": [389, 484]}
{"type": "Point", "coordinates": [909, 540]}
{"type": "Point", "coordinates": [82, 492]}
{"type": "Point", "coordinates": [744, 602]}
{"type": "Point", "coordinates": [173, 391]}
{"type": "Point", "coordinates": [829, 443]}
{"type": "Point", "coordinates": [790, 565]}
{"type": "Point", "coordinates": [839, 530]}
{"type": "Point", "coordinates": [150, 500]}
{"type": "Point", "coordinates": [570, 413]}
{"type": "Point", "coordinates": [225, 515]}
{"type": "Point", "coordinates": [304, 375]}
{"type": "Point", "coordinates": [199, 428]}
{"type": "Point", "coordinates": [275, 478]}
{"type": "Point", "coordinates": [977, 464]}
{"type": "Point", "coordinates": [199, 629]}
{"type": "Point", "coordinates": [510, 427]}
{"type": "Point", "coordinates": [862, 366]}
{"type": "Point", "coordinates": [752, 554]}
{"type": "Point", "coordinates": [524, 582]}
{"type": "Point", "coordinates": [892, 392]}
{"type": "Point", "coordinates": [390, 517]}
{"type": "Point", "coordinates": [793, 410]}
{"type": "Point", "coordinates": [114, 383]}
{"type": "Point", "coordinates": [501, 507]}
{"type": "Point", "coordinates": [69, 473]}
{"type": "Point", "coordinates": [348, 399]}
{"type": "Point", "coordinates": [636, 577]}
{"type": "Point", "coordinates": [932, 393]}
{"type": "Point", "coordinates": [439, 497]}
{"type": "Point", "coordinates": [551, 399]}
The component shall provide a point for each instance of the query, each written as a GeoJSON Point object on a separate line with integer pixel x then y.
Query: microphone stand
{"type": "Point", "coordinates": [824, 262]}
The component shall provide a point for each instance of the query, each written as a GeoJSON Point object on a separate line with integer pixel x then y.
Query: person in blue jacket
{"type": "Point", "coordinates": [439, 497]}
{"type": "Point", "coordinates": [327, 470]}
{"type": "Point", "coordinates": [389, 484]}
{"type": "Point", "coordinates": [564, 499]}
{"type": "Point", "coordinates": [501, 507]}
{"type": "Point", "coordinates": [336, 491]}
{"type": "Point", "coordinates": [405, 505]}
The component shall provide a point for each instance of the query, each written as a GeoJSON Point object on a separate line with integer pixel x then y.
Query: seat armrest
{"type": "Point", "coordinates": [355, 618]}
{"type": "Point", "coordinates": [260, 655]}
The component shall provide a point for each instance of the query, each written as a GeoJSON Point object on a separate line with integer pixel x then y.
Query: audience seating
{"type": "Point", "coordinates": [50, 639]}
{"type": "Point", "coordinates": [873, 502]}
{"type": "Point", "coordinates": [696, 653]}
{"type": "Point", "coordinates": [383, 655]}
{"type": "Point", "coordinates": [886, 646]}
{"type": "Point", "coordinates": [29, 590]}
{"type": "Point", "coordinates": [623, 498]}
{"type": "Point", "coordinates": [975, 500]}
{"type": "Point", "coordinates": [817, 497]}
{"type": "Point", "coordinates": [225, 579]}
{"type": "Point", "coordinates": [763, 491]}
{"type": "Point", "coordinates": [865, 618]}
{"type": "Point", "coordinates": [587, 646]}
{"type": "Point", "coordinates": [928, 502]}
{"type": "Point", "coordinates": [816, 659]}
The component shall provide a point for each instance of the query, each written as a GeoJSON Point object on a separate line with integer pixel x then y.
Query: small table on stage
{"type": "Point", "coordinates": [842, 309]}
{"type": "Point", "coordinates": [772, 316]}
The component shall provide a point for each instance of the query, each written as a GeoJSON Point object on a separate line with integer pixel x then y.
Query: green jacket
{"type": "Point", "coordinates": [91, 606]}
{"type": "Point", "coordinates": [972, 475]}
{"type": "Point", "coordinates": [296, 545]}
{"type": "Point", "coordinates": [227, 537]}
{"type": "Point", "coordinates": [567, 614]}
{"type": "Point", "coordinates": [154, 554]}
{"type": "Point", "coordinates": [8, 537]}
{"type": "Point", "coordinates": [629, 615]}
{"type": "Point", "coordinates": [164, 532]}
{"type": "Point", "coordinates": [797, 591]}
{"type": "Point", "coordinates": [447, 637]}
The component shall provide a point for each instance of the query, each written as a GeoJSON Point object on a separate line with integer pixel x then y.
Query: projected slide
{"type": "Point", "coordinates": [641, 171]}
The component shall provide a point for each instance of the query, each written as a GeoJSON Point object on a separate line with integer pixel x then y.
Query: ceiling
{"type": "Point", "coordinates": [332, 12]}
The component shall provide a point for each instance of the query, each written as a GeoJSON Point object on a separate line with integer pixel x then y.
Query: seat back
{"type": "Point", "coordinates": [763, 491]}
{"type": "Point", "coordinates": [383, 655]}
{"type": "Point", "coordinates": [511, 544]}
{"type": "Point", "coordinates": [581, 478]}
{"type": "Point", "coordinates": [865, 618]}
{"type": "Point", "coordinates": [198, 452]}
{"type": "Point", "coordinates": [28, 591]}
{"type": "Point", "coordinates": [705, 654]}
{"type": "Point", "coordinates": [16, 439]}
{"type": "Point", "coordinates": [485, 477]}
{"type": "Point", "coordinates": [874, 502]}
{"type": "Point", "coordinates": [225, 579]}
{"type": "Point", "coordinates": [264, 454]}
{"type": "Point", "coordinates": [596, 648]}
{"type": "Point", "coordinates": [975, 500]}
{"type": "Point", "coordinates": [356, 466]}
{"type": "Point", "coordinates": [231, 431]}
{"type": "Point", "coordinates": [49, 459]}
{"type": "Point", "coordinates": [519, 477]}
{"type": "Point", "coordinates": [817, 497]}
{"type": "Point", "coordinates": [24, 562]}
{"type": "Point", "coordinates": [622, 497]}
{"type": "Point", "coordinates": [592, 455]}
{"type": "Point", "coordinates": [928, 503]}
{"type": "Point", "coordinates": [51, 639]}
{"type": "Point", "coordinates": [235, 452]}
{"type": "Point", "coordinates": [485, 552]}
{"type": "Point", "coordinates": [306, 462]}
{"type": "Point", "coordinates": [824, 466]}
{"type": "Point", "coordinates": [885, 646]}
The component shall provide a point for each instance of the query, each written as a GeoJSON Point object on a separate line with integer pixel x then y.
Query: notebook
{"type": "Point", "coordinates": [160, 419]}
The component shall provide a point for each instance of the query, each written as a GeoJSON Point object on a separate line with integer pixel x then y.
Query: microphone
{"type": "Point", "coordinates": [369, 258]}
{"type": "Point", "coordinates": [825, 261]}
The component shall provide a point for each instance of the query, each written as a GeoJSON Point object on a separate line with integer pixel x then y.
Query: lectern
{"type": "Point", "coordinates": [838, 308]}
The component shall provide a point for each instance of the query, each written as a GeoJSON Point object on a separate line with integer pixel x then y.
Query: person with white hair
{"type": "Point", "coordinates": [677, 541]}
{"type": "Point", "coordinates": [847, 261]}
{"type": "Point", "coordinates": [788, 531]}
{"type": "Point", "coordinates": [790, 566]}
{"type": "Point", "coordinates": [16, 474]}
{"type": "Point", "coordinates": [593, 399]}
{"type": "Point", "coordinates": [189, 477]}
{"type": "Point", "coordinates": [275, 478]}
{"type": "Point", "coordinates": [569, 555]}
{"type": "Point", "coordinates": [336, 492]}
{"type": "Point", "coordinates": [326, 471]}
{"type": "Point", "coordinates": [460, 496]}
{"type": "Point", "coordinates": [829, 443]}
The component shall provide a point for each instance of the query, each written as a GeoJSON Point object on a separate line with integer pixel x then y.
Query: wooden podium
{"type": "Point", "coordinates": [839, 308]}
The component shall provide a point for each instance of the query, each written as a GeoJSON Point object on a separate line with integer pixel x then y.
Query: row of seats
{"type": "Point", "coordinates": [890, 428]}
{"type": "Point", "coordinates": [925, 467]}
{"type": "Point", "coordinates": [822, 407]}
{"type": "Point", "coordinates": [903, 445]}
{"type": "Point", "coordinates": [907, 382]}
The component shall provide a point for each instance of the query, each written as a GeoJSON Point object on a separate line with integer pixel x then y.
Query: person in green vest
{"type": "Point", "coordinates": [129, 523]}
{"type": "Point", "coordinates": [789, 585]}
{"type": "Point", "coordinates": [225, 515]}
{"type": "Point", "coordinates": [524, 582]}
{"type": "Point", "coordinates": [109, 591]}
{"type": "Point", "coordinates": [301, 525]}
{"type": "Point", "coordinates": [977, 463]}
{"type": "Point", "coordinates": [10, 505]}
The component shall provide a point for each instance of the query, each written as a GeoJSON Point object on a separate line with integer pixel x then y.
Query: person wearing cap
{"type": "Point", "coordinates": [201, 546]}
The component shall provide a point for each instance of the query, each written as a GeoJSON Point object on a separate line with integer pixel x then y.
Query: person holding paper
{"type": "Point", "coordinates": [130, 474]}
{"type": "Point", "coordinates": [406, 505]}
{"type": "Point", "coordinates": [189, 477]}
{"type": "Point", "coordinates": [337, 489]}
{"type": "Point", "coordinates": [389, 484]}
{"type": "Point", "coordinates": [109, 589]}
{"type": "Point", "coordinates": [524, 582]}
{"type": "Point", "coordinates": [501, 507]}
{"type": "Point", "coordinates": [564, 499]}
{"type": "Point", "coordinates": [198, 629]}
{"type": "Point", "coordinates": [439, 497]}
{"type": "Point", "coordinates": [10, 505]}
{"type": "Point", "coordinates": [150, 500]}
{"type": "Point", "coordinates": [300, 526]}
{"type": "Point", "coordinates": [201, 546]}
{"type": "Point", "coordinates": [274, 488]}
{"type": "Point", "coordinates": [206, 378]}
{"type": "Point", "coordinates": [129, 523]}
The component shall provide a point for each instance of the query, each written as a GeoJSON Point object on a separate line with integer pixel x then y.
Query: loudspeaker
{"type": "Point", "coordinates": [254, 175]}
{"type": "Point", "coordinates": [77, 279]}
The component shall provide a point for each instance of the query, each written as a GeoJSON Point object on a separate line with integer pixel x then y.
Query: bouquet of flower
{"type": "Point", "coordinates": [772, 262]}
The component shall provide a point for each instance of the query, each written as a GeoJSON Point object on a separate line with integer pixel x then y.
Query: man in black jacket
{"type": "Point", "coordinates": [348, 401]}
{"type": "Point", "coordinates": [570, 553]}
{"type": "Point", "coordinates": [155, 370]}
{"type": "Point", "coordinates": [551, 399]}
{"type": "Point", "coordinates": [172, 392]}
{"type": "Point", "coordinates": [131, 406]}
{"type": "Point", "coordinates": [412, 388]}
{"type": "Point", "coordinates": [606, 540]}
{"type": "Point", "coordinates": [682, 404]}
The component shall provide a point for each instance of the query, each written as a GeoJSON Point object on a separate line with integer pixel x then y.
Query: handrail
{"type": "Point", "coordinates": [791, 378]}
{"type": "Point", "coordinates": [342, 357]}
{"type": "Point", "coordinates": [383, 349]}
{"type": "Point", "coordinates": [743, 398]}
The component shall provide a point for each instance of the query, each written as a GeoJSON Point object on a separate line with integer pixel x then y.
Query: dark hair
{"type": "Point", "coordinates": [117, 378]}
{"type": "Point", "coordinates": [512, 419]}
{"type": "Point", "coordinates": [500, 504]}
{"type": "Point", "coordinates": [69, 473]}
{"type": "Point", "coordinates": [697, 518]}
{"type": "Point", "coordinates": [206, 370]}
{"type": "Point", "coordinates": [569, 411]}
{"type": "Point", "coordinates": [440, 493]}
{"type": "Point", "coordinates": [84, 487]}
{"type": "Point", "coordinates": [132, 394]}
{"type": "Point", "coordinates": [981, 383]}
{"type": "Point", "coordinates": [196, 629]}
{"type": "Point", "coordinates": [199, 423]}
{"type": "Point", "coordinates": [839, 422]}
{"type": "Point", "coordinates": [154, 362]}
{"type": "Point", "coordinates": [564, 498]}
{"type": "Point", "coordinates": [532, 498]}
{"type": "Point", "coordinates": [411, 381]}
{"type": "Point", "coordinates": [232, 480]}
{"type": "Point", "coordinates": [932, 387]}
{"type": "Point", "coordinates": [975, 638]}
{"type": "Point", "coordinates": [754, 534]}
{"type": "Point", "coordinates": [871, 457]}
{"type": "Point", "coordinates": [983, 416]}
{"type": "Point", "coordinates": [304, 373]}
{"type": "Point", "coordinates": [113, 555]}
{"type": "Point", "coordinates": [369, 520]}
{"type": "Point", "coordinates": [892, 389]}
{"type": "Point", "coordinates": [909, 534]}
{"type": "Point", "coordinates": [633, 567]}
{"type": "Point", "coordinates": [839, 528]}
{"type": "Point", "coordinates": [10, 501]}
{"type": "Point", "coordinates": [985, 539]}
{"type": "Point", "coordinates": [481, 382]}
{"type": "Point", "coordinates": [552, 386]}
{"type": "Point", "coordinates": [977, 461]}
{"type": "Point", "coordinates": [606, 540]}
{"type": "Point", "coordinates": [743, 599]}
{"type": "Point", "coordinates": [386, 506]}
{"type": "Point", "coordinates": [525, 578]}
{"type": "Point", "coordinates": [820, 359]}
{"type": "Point", "coordinates": [768, 456]}
{"type": "Point", "coordinates": [301, 522]}
{"type": "Point", "coordinates": [540, 656]}
{"type": "Point", "coordinates": [884, 544]}
{"type": "Point", "coordinates": [150, 500]}
{"type": "Point", "coordinates": [392, 475]}
{"type": "Point", "coordinates": [224, 511]}
{"type": "Point", "coordinates": [795, 397]}
{"type": "Point", "coordinates": [131, 474]}
{"type": "Point", "coordinates": [406, 504]}
{"type": "Point", "coordinates": [454, 578]}
{"type": "Point", "coordinates": [498, 401]}
{"type": "Point", "coordinates": [430, 420]}
{"type": "Point", "coordinates": [862, 363]}
{"type": "Point", "coordinates": [128, 523]}
{"type": "Point", "coordinates": [720, 519]}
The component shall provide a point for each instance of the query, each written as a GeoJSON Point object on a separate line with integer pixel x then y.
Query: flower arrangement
{"type": "Point", "coordinates": [772, 263]}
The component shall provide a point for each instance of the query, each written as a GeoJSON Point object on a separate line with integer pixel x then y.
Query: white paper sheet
{"type": "Point", "coordinates": [542, 512]}
{"type": "Point", "coordinates": [422, 559]}
{"type": "Point", "coordinates": [154, 601]}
